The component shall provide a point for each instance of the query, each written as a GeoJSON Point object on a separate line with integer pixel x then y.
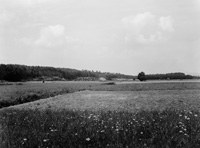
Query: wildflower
{"type": "Point", "coordinates": [87, 139]}
{"type": "Point", "coordinates": [102, 131]}
{"type": "Point", "coordinates": [25, 139]}
{"type": "Point", "coordinates": [195, 115]}
{"type": "Point", "coordinates": [76, 134]}
{"type": "Point", "coordinates": [188, 118]}
{"type": "Point", "coordinates": [141, 132]}
{"type": "Point", "coordinates": [45, 140]}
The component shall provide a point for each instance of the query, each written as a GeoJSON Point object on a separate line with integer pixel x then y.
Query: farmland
{"type": "Point", "coordinates": [101, 114]}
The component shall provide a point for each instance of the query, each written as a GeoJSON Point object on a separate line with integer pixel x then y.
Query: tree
{"type": "Point", "coordinates": [141, 76]}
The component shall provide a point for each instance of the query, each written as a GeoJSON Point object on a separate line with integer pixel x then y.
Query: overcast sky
{"type": "Point", "coordinates": [123, 36]}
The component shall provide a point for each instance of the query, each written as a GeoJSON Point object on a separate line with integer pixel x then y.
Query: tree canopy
{"type": "Point", "coordinates": [141, 76]}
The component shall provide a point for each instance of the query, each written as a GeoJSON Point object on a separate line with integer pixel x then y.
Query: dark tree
{"type": "Point", "coordinates": [141, 76]}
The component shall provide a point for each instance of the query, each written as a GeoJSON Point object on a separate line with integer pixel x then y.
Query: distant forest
{"type": "Point", "coordinates": [14, 73]}
{"type": "Point", "coordinates": [170, 76]}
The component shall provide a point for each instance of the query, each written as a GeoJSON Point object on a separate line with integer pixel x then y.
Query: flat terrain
{"type": "Point", "coordinates": [97, 95]}
{"type": "Point", "coordinates": [100, 114]}
{"type": "Point", "coordinates": [120, 100]}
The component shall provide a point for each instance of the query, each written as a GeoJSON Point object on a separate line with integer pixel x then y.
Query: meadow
{"type": "Point", "coordinates": [100, 114]}
{"type": "Point", "coordinates": [18, 93]}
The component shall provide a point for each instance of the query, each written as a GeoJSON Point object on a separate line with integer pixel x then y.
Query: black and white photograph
{"type": "Point", "coordinates": [99, 73]}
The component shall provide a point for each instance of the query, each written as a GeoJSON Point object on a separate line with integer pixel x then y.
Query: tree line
{"type": "Point", "coordinates": [169, 76]}
{"type": "Point", "coordinates": [15, 72]}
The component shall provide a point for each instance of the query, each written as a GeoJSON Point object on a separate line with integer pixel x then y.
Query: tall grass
{"type": "Point", "coordinates": [170, 128]}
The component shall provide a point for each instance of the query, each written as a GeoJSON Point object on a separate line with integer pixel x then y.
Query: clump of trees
{"type": "Point", "coordinates": [141, 76]}
{"type": "Point", "coordinates": [169, 76]}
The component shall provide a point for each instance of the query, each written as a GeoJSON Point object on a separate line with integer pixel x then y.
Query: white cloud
{"type": "Point", "coordinates": [152, 38]}
{"type": "Point", "coordinates": [51, 36]}
{"type": "Point", "coordinates": [166, 23]}
{"type": "Point", "coordinates": [140, 20]}
{"type": "Point", "coordinates": [146, 27]}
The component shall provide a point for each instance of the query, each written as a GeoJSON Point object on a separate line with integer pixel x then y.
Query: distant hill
{"type": "Point", "coordinates": [14, 72]}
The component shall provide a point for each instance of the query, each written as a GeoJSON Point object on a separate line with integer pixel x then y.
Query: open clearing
{"type": "Point", "coordinates": [120, 100]}
{"type": "Point", "coordinates": [119, 115]}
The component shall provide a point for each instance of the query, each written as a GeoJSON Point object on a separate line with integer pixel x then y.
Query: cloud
{"type": "Point", "coordinates": [51, 36]}
{"type": "Point", "coordinates": [146, 27]}
{"type": "Point", "coordinates": [140, 20]}
{"type": "Point", "coordinates": [166, 23]}
{"type": "Point", "coordinates": [152, 38]}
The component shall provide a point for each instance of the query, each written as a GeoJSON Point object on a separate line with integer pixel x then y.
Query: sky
{"type": "Point", "coordinates": [120, 36]}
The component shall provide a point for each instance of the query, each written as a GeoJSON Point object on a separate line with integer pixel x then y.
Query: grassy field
{"type": "Point", "coordinates": [130, 101]}
{"type": "Point", "coordinates": [18, 93]}
{"type": "Point", "coordinates": [14, 93]}
{"type": "Point", "coordinates": [141, 115]}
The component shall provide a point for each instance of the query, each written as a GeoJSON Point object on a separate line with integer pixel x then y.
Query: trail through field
{"type": "Point", "coordinates": [119, 100]}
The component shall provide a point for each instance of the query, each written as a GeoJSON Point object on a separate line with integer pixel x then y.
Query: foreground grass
{"type": "Point", "coordinates": [118, 129]}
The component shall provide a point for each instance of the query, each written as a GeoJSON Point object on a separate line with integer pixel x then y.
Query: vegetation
{"type": "Point", "coordinates": [14, 94]}
{"type": "Point", "coordinates": [114, 126]}
{"type": "Point", "coordinates": [19, 93]}
{"type": "Point", "coordinates": [16, 73]}
{"type": "Point", "coordinates": [141, 76]}
{"type": "Point", "coordinates": [169, 76]}
{"type": "Point", "coordinates": [118, 129]}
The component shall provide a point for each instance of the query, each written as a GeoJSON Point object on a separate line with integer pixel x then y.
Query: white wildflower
{"type": "Point", "coordinates": [45, 140]}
